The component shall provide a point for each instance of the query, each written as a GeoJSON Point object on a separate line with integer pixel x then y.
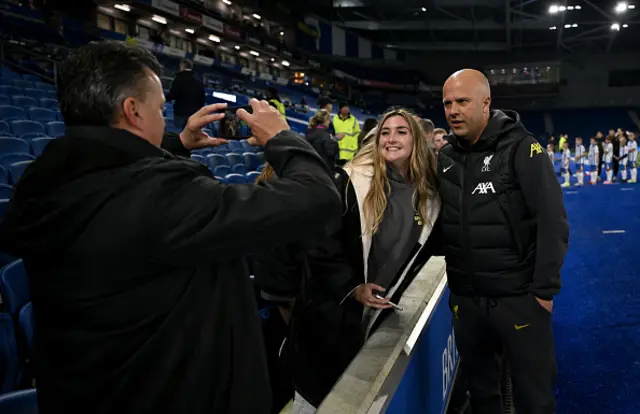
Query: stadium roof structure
{"type": "Point", "coordinates": [591, 26]}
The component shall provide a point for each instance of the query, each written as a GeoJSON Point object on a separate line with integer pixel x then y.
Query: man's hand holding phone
{"type": "Point", "coordinates": [369, 294]}
{"type": "Point", "coordinates": [265, 121]}
{"type": "Point", "coordinates": [193, 137]}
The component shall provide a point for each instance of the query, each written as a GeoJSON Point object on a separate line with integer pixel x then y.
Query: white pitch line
{"type": "Point", "coordinates": [613, 231]}
{"type": "Point", "coordinates": [626, 189]}
{"type": "Point", "coordinates": [571, 192]}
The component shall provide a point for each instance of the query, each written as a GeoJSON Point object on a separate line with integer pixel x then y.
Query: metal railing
{"type": "Point", "coordinates": [37, 54]}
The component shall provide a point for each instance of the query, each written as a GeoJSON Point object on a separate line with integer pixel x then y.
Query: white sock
{"type": "Point", "coordinates": [580, 178]}
{"type": "Point", "coordinates": [567, 178]}
{"type": "Point", "coordinates": [634, 173]}
{"type": "Point", "coordinates": [609, 175]}
{"type": "Point", "coordinates": [624, 174]}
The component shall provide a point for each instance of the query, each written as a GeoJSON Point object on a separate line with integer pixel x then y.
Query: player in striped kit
{"type": "Point", "coordinates": [580, 155]}
{"type": "Point", "coordinates": [632, 156]}
{"type": "Point", "coordinates": [565, 163]}
{"type": "Point", "coordinates": [622, 158]}
{"type": "Point", "coordinates": [607, 158]}
{"type": "Point", "coordinates": [594, 160]}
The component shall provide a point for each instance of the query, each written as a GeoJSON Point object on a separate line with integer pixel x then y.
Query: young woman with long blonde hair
{"type": "Point", "coordinates": [385, 236]}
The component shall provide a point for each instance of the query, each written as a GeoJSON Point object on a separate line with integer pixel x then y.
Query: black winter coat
{"type": "Point", "coordinates": [321, 140]}
{"type": "Point", "coordinates": [327, 326]}
{"type": "Point", "coordinates": [140, 291]}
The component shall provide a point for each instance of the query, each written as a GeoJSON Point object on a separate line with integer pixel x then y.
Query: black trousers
{"type": "Point", "coordinates": [516, 328]}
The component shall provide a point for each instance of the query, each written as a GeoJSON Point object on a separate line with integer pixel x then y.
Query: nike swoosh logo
{"type": "Point", "coordinates": [444, 170]}
{"type": "Point", "coordinates": [518, 327]}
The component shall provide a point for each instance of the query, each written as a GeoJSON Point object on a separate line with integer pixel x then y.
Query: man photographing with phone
{"type": "Point", "coordinates": [141, 298]}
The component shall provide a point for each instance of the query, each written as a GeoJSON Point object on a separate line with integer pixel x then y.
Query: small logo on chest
{"type": "Point", "coordinates": [484, 188]}
{"type": "Point", "coordinates": [487, 160]}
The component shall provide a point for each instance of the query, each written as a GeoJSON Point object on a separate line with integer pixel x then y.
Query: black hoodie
{"type": "Point", "coordinates": [504, 224]}
{"type": "Point", "coordinates": [141, 296]}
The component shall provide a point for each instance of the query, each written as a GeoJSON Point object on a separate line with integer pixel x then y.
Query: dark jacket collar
{"type": "Point", "coordinates": [119, 139]}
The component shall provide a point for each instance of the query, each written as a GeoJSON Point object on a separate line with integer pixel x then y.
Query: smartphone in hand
{"type": "Point", "coordinates": [231, 127]}
{"type": "Point", "coordinates": [393, 305]}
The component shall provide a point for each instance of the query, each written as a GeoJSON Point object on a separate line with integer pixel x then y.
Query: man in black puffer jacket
{"type": "Point", "coordinates": [505, 235]}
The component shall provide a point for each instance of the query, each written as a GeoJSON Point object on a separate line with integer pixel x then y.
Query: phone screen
{"type": "Point", "coordinates": [231, 126]}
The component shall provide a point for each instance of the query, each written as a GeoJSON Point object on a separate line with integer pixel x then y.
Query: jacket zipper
{"type": "Point", "coordinates": [465, 224]}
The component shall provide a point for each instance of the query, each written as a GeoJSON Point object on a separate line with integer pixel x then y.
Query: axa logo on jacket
{"type": "Point", "coordinates": [484, 188]}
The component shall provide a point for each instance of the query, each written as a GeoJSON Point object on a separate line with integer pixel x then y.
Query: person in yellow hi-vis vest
{"type": "Point", "coordinates": [347, 130]}
{"type": "Point", "coordinates": [274, 100]}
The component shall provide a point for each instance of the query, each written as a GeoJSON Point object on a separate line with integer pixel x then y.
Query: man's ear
{"type": "Point", "coordinates": [487, 104]}
{"type": "Point", "coordinates": [130, 111]}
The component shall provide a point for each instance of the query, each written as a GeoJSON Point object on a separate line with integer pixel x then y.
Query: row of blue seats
{"type": "Point", "coordinates": [33, 93]}
{"type": "Point", "coordinates": [16, 299]}
{"type": "Point", "coordinates": [31, 129]}
{"type": "Point", "coordinates": [26, 84]}
{"type": "Point", "coordinates": [7, 73]}
{"type": "Point", "coordinates": [249, 159]}
{"type": "Point", "coordinates": [19, 146]}
{"type": "Point", "coordinates": [15, 113]}
{"type": "Point", "coordinates": [234, 178]}
{"type": "Point", "coordinates": [27, 102]}
{"type": "Point", "coordinates": [12, 170]}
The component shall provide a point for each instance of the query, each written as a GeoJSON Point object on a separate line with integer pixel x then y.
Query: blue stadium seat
{"type": "Point", "coordinates": [236, 146]}
{"type": "Point", "coordinates": [13, 145]}
{"type": "Point", "coordinates": [202, 160]}
{"type": "Point", "coordinates": [39, 144]}
{"type": "Point", "coordinates": [7, 159]}
{"type": "Point", "coordinates": [207, 131]}
{"type": "Point", "coordinates": [17, 169]}
{"type": "Point", "coordinates": [25, 321]}
{"type": "Point", "coordinates": [251, 160]}
{"type": "Point", "coordinates": [22, 84]}
{"type": "Point", "coordinates": [55, 129]}
{"type": "Point", "coordinates": [49, 103]}
{"type": "Point", "coordinates": [221, 170]}
{"type": "Point", "coordinates": [260, 168]}
{"type": "Point", "coordinates": [4, 100]}
{"type": "Point", "coordinates": [59, 116]}
{"type": "Point", "coordinates": [20, 402]}
{"type": "Point", "coordinates": [42, 115]}
{"type": "Point", "coordinates": [9, 90]}
{"type": "Point", "coordinates": [52, 94]}
{"type": "Point", "coordinates": [235, 179]}
{"type": "Point", "coordinates": [27, 129]}
{"type": "Point", "coordinates": [8, 357]}
{"type": "Point", "coordinates": [12, 113]}
{"type": "Point", "coordinates": [5, 129]}
{"type": "Point", "coordinates": [30, 77]}
{"type": "Point", "coordinates": [24, 101]}
{"type": "Point", "coordinates": [239, 169]}
{"type": "Point", "coordinates": [35, 93]}
{"type": "Point", "coordinates": [43, 86]}
{"type": "Point", "coordinates": [14, 287]}
{"type": "Point", "coordinates": [234, 158]}
{"type": "Point", "coordinates": [216, 160]}
{"type": "Point", "coordinates": [221, 179]}
{"type": "Point", "coordinates": [4, 175]}
{"type": "Point", "coordinates": [252, 176]}
{"type": "Point", "coordinates": [6, 191]}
